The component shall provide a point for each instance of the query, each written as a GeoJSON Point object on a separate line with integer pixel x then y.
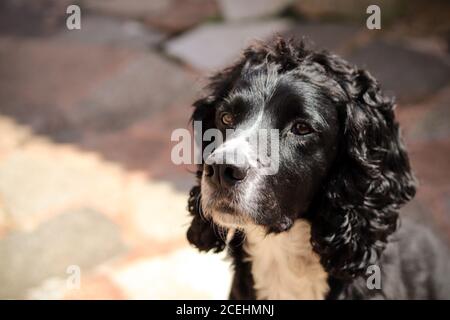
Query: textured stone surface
{"type": "Point", "coordinates": [156, 83]}
{"type": "Point", "coordinates": [41, 80]}
{"type": "Point", "coordinates": [170, 16]}
{"type": "Point", "coordinates": [129, 8]}
{"type": "Point", "coordinates": [33, 187]}
{"type": "Point", "coordinates": [435, 123]}
{"type": "Point", "coordinates": [431, 166]}
{"type": "Point", "coordinates": [156, 211]}
{"type": "Point", "coordinates": [324, 36]}
{"type": "Point", "coordinates": [238, 9]}
{"type": "Point", "coordinates": [83, 238]}
{"type": "Point", "coordinates": [347, 9]}
{"type": "Point", "coordinates": [31, 18]}
{"type": "Point", "coordinates": [407, 74]}
{"type": "Point", "coordinates": [104, 30]}
{"type": "Point", "coordinates": [93, 80]}
{"type": "Point", "coordinates": [220, 43]}
{"type": "Point", "coordinates": [184, 274]}
{"type": "Point", "coordinates": [40, 180]}
{"type": "Point", "coordinates": [145, 145]}
{"type": "Point", "coordinates": [105, 100]}
{"type": "Point", "coordinates": [182, 15]}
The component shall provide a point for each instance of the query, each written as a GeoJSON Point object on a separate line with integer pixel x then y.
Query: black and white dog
{"type": "Point", "coordinates": [311, 230]}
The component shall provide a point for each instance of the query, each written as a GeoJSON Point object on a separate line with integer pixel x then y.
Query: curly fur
{"type": "Point", "coordinates": [357, 208]}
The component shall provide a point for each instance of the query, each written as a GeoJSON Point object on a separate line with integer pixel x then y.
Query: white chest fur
{"type": "Point", "coordinates": [284, 266]}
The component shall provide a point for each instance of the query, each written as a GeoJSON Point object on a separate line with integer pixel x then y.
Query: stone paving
{"type": "Point", "coordinates": [86, 179]}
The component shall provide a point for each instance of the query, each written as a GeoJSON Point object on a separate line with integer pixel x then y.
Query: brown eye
{"type": "Point", "coordinates": [301, 129]}
{"type": "Point", "coordinates": [227, 119]}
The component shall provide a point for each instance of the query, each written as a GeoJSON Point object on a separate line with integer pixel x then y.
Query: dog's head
{"type": "Point", "coordinates": [333, 147]}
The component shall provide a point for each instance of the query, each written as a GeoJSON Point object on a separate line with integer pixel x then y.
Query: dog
{"type": "Point", "coordinates": [330, 214]}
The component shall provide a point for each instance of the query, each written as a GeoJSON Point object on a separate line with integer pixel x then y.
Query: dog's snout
{"type": "Point", "coordinates": [226, 175]}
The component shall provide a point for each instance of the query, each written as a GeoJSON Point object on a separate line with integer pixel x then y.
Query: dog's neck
{"type": "Point", "coordinates": [284, 265]}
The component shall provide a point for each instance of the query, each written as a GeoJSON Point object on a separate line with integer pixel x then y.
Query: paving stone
{"type": "Point", "coordinates": [328, 36]}
{"type": "Point", "coordinates": [185, 274]}
{"type": "Point", "coordinates": [426, 19]}
{"type": "Point", "coordinates": [48, 72]}
{"type": "Point", "coordinates": [409, 75]}
{"type": "Point", "coordinates": [347, 9]}
{"type": "Point", "coordinates": [32, 187]}
{"type": "Point", "coordinates": [92, 287]}
{"type": "Point", "coordinates": [104, 30]}
{"type": "Point", "coordinates": [170, 16]}
{"type": "Point", "coordinates": [145, 145]}
{"type": "Point", "coordinates": [238, 9]}
{"type": "Point", "coordinates": [435, 122]}
{"type": "Point", "coordinates": [182, 15]}
{"type": "Point", "coordinates": [430, 162]}
{"type": "Point", "coordinates": [95, 288]}
{"type": "Point", "coordinates": [157, 211]}
{"type": "Point", "coordinates": [41, 80]}
{"type": "Point", "coordinates": [85, 86]}
{"type": "Point", "coordinates": [12, 136]}
{"type": "Point", "coordinates": [3, 220]}
{"type": "Point", "coordinates": [83, 238]}
{"type": "Point", "coordinates": [143, 87]}
{"type": "Point", "coordinates": [220, 43]}
{"type": "Point", "coordinates": [53, 288]}
{"type": "Point", "coordinates": [33, 18]}
{"type": "Point", "coordinates": [130, 8]}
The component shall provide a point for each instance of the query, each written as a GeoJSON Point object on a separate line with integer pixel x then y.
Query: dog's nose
{"type": "Point", "coordinates": [226, 175]}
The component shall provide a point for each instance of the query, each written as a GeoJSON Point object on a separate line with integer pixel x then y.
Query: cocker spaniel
{"type": "Point", "coordinates": [329, 215]}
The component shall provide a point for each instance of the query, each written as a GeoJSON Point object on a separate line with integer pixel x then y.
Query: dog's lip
{"type": "Point", "coordinates": [219, 199]}
{"type": "Point", "coordinates": [220, 193]}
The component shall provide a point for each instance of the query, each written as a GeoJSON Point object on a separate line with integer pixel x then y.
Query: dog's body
{"type": "Point", "coordinates": [415, 265]}
{"type": "Point", "coordinates": [315, 227]}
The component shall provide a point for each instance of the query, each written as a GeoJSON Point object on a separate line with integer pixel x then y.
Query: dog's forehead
{"type": "Point", "coordinates": [261, 85]}
{"type": "Point", "coordinates": [270, 91]}
{"type": "Point", "coordinates": [255, 84]}
{"type": "Point", "coordinates": [277, 99]}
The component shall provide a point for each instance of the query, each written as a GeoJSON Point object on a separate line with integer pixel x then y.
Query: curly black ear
{"type": "Point", "coordinates": [370, 180]}
{"type": "Point", "coordinates": [202, 233]}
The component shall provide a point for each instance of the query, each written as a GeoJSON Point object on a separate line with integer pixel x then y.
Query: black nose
{"type": "Point", "coordinates": [226, 175]}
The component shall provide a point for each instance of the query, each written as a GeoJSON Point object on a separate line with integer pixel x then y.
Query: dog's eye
{"type": "Point", "coordinates": [301, 128]}
{"type": "Point", "coordinates": [227, 119]}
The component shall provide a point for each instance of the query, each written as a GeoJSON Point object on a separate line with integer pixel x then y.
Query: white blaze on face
{"type": "Point", "coordinates": [238, 149]}
{"type": "Point", "coordinates": [241, 146]}
{"type": "Point", "coordinates": [255, 147]}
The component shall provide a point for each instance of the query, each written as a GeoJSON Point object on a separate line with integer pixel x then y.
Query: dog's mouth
{"type": "Point", "coordinates": [224, 208]}
{"type": "Point", "coordinates": [242, 208]}
{"type": "Point", "coordinates": [226, 214]}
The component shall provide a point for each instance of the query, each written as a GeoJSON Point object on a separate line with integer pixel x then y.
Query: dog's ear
{"type": "Point", "coordinates": [202, 232]}
{"type": "Point", "coordinates": [371, 179]}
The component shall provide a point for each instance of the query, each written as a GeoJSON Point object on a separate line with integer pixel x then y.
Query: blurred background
{"type": "Point", "coordinates": [87, 188]}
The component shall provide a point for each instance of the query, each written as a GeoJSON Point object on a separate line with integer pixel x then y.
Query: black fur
{"type": "Point", "coordinates": [355, 194]}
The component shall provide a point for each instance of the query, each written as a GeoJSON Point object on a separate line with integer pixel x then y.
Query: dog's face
{"type": "Point", "coordinates": [301, 117]}
{"type": "Point", "coordinates": [340, 160]}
